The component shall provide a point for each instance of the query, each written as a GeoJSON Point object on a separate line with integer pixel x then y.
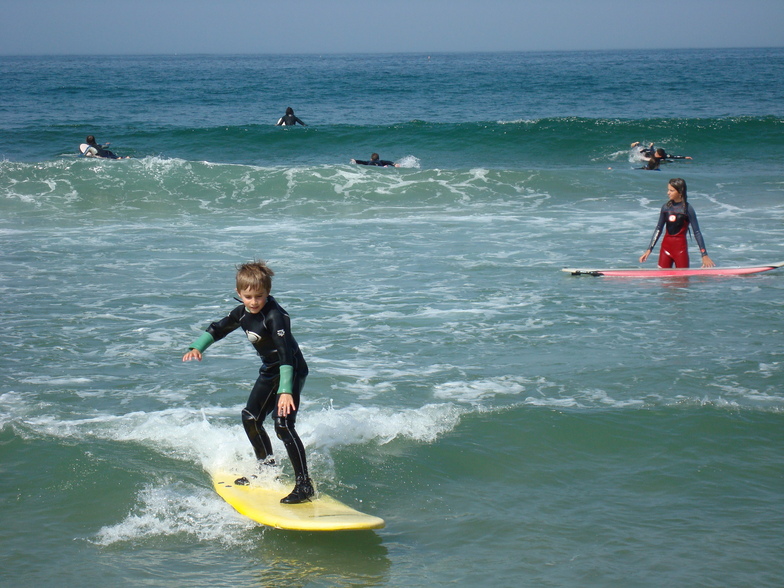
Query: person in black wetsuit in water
{"type": "Point", "coordinates": [289, 119]}
{"type": "Point", "coordinates": [649, 152]}
{"type": "Point", "coordinates": [93, 149]}
{"type": "Point", "coordinates": [281, 376]}
{"type": "Point", "coordinates": [374, 160]}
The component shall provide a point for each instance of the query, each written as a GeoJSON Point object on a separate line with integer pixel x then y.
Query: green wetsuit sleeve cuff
{"type": "Point", "coordinates": [286, 379]}
{"type": "Point", "coordinates": [203, 342]}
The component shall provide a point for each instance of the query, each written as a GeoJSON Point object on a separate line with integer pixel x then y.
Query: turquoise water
{"type": "Point", "coordinates": [511, 423]}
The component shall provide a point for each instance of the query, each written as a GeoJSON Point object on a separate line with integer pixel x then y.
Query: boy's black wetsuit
{"type": "Point", "coordinates": [269, 331]}
{"type": "Point", "coordinates": [671, 157]}
{"type": "Point", "coordinates": [289, 120]}
{"type": "Point", "coordinates": [650, 151]}
{"type": "Point", "coordinates": [378, 162]}
{"type": "Point", "coordinates": [98, 151]}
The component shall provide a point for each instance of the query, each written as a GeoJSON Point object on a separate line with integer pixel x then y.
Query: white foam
{"type": "Point", "coordinates": [767, 370]}
{"type": "Point", "coordinates": [13, 405]}
{"type": "Point", "coordinates": [409, 161]}
{"type": "Point", "coordinates": [174, 508]}
{"type": "Point", "coordinates": [180, 433]}
{"type": "Point", "coordinates": [586, 398]}
{"type": "Point", "coordinates": [213, 437]}
{"type": "Point", "coordinates": [635, 155]}
{"type": "Point", "coordinates": [55, 381]}
{"type": "Point", "coordinates": [358, 424]}
{"type": "Point", "coordinates": [518, 121]}
{"type": "Point", "coordinates": [481, 390]}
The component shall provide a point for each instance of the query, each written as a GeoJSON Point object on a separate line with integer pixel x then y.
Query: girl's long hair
{"type": "Point", "coordinates": [680, 185]}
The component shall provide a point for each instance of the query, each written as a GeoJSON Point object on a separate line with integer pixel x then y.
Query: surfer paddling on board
{"type": "Point", "coordinates": [678, 215]}
{"type": "Point", "coordinates": [92, 149]}
{"type": "Point", "coordinates": [289, 119]}
{"type": "Point", "coordinates": [281, 376]}
{"type": "Point", "coordinates": [659, 153]}
{"type": "Point", "coordinates": [374, 160]}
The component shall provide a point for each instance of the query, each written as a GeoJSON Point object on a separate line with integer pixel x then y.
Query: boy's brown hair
{"type": "Point", "coordinates": [254, 275]}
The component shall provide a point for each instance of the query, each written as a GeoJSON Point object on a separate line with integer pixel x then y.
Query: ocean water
{"type": "Point", "coordinates": [513, 424]}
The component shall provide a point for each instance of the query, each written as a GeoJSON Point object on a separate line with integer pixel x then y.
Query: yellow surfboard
{"type": "Point", "coordinates": [260, 501]}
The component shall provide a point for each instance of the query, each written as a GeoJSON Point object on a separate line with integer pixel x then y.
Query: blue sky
{"type": "Point", "coordinates": [347, 26]}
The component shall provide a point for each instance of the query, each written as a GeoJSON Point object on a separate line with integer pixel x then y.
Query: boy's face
{"type": "Point", "coordinates": [254, 300]}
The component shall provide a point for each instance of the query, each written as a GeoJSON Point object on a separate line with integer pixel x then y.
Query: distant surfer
{"type": "Point", "coordinates": [374, 160]}
{"type": "Point", "coordinates": [649, 152]}
{"type": "Point", "coordinates": [281, 376]}
{"type": "Point", "coordinates": [92, 149]}
{"type": "Point", "coordinates": [677, 215]}
{"type": "Point", "coordinates": [289, 119]}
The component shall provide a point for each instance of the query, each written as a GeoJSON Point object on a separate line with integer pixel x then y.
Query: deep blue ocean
{"type": "Point", "coordinates": [513, 424]}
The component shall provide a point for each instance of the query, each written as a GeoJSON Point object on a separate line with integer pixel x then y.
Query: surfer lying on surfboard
{"type": "Point", "coordinates": [281, 376]}
{"type": "Point", "coordinates": [678, 215]}
{"type": "Point", "coordinates": [648, 152]}
{"type": "Point", "coordinates": [374, 160]}
{"type": "Point", "coordinates": [92, 149]}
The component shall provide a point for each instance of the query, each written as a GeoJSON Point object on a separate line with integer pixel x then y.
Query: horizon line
{"type": "Point", "coordinates": [361, 53]}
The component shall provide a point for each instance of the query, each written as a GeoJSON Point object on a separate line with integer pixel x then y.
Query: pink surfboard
{"type": "Point", "coordinates": [656, 272]}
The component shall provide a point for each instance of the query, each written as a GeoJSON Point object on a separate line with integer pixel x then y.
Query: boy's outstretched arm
{"type": "Point", "coordinates": [199, 346]}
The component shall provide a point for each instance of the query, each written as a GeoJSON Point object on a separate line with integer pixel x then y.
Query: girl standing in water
{"type": "Point", "coordinates": [678, 216]}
